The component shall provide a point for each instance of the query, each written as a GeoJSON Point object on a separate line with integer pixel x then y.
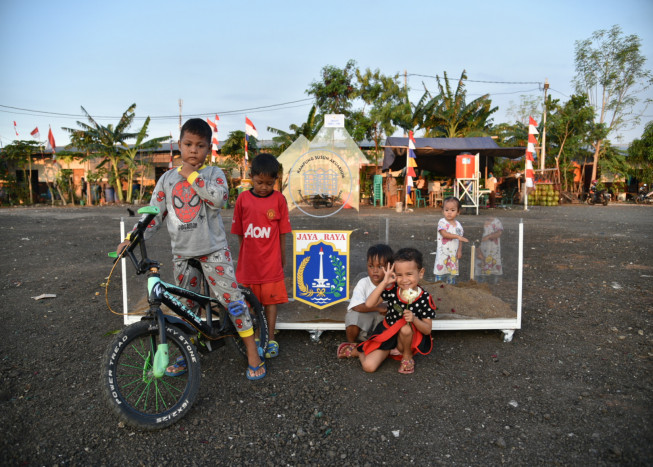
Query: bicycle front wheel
{"type": "Point", "coordinates": [133, 392]}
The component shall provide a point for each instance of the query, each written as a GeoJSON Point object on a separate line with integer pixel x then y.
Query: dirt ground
{"type": "Point", "coordinates": [574, 387]}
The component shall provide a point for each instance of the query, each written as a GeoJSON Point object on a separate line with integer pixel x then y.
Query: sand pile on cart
{"type": "Point", "coordinates": [468, 300]}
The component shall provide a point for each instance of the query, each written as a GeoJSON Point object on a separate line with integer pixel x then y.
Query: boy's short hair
{"type": "Point", "coordinates": [409, 254]}
{"type": "Point", "coordinates": [265, 164]}
{"type": "Point", "coordinates": [197, 126]}
{"type": "Point", "coordinates": [452, 199]}
{"type": "Point", "coordinates": [381, 251]}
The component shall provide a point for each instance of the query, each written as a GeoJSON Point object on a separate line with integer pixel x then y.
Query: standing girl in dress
{"type": "Point", "coordinates": [450, 234]}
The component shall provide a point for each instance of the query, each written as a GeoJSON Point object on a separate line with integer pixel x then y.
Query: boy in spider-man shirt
{"type": "Point", "coordinates": [261, 223]}
{"type": "Point", "coordinates": [190, 198]}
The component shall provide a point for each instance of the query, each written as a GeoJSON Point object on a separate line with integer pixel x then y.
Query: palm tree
{"type": "Point", "coordinates": [308, 129]}
{"type": "Point", "coordinates": [128, 154]}
{"type": "Point", "coordinates": [104, 140]}
{"type": "Point", "coordinates": [449, 115]}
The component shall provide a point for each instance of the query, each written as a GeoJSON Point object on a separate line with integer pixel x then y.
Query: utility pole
{"type": "Point", "coordinates": [543, 152]}
{"type": "Point", "coordinates": [181, 103]}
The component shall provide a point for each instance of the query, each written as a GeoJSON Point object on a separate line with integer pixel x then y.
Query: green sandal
{"type": "Point", "coordinates": [272, 350]}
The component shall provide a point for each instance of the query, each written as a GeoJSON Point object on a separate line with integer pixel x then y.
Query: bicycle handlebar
{"type": "Point", "coordinates": [136, 238]}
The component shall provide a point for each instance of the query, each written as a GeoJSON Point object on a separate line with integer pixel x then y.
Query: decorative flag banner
{"type": "Point", "coordinates": [530, 151]}
{"type": "Point", "coordinates": [52, 144]}
{"type": "Point", "coordinates": [213, 126]}
{"type": "Point", "coordinates": [35, 133]}
{"type": "Point", "coordinates": [321, 267]}
{"type": "Point", "coordinates": [250, 130]}
{"type": "Point", "coordinates": [411, 163]}
{"type": "Point", "coordinates": [15, 128]}
{"type": "Point", "coordinates": [171, 155]}
{"type": "Point", "coordinates": [215, 143]}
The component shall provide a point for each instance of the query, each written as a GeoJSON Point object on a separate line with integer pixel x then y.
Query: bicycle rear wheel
{"type": "Point", "coordinates": [133, 392]}
{"type": "Point", "coordinates": [259, 321]}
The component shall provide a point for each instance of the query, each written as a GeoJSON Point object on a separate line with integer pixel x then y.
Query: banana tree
{"type": "Point", "coordinates": [128, 154]}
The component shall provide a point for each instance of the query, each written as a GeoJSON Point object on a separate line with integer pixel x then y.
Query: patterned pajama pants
{"type": "Point", "coordinates": [219, 272]}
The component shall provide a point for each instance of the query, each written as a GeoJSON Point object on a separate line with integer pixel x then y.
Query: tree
{"type": "Point", "coordinates": [449, 115]}
{"type": "Point", "coordinates": [528, 106]}
{"type": "Point", "coordinates": [105, 141]}
{"type": "Point", "coordinates": [610, 70]}
{"type": "Point", "coordinates": [234, 147]}
{"type": "Point", "coordinates": [640, 154]}
{"type": "Point", "coordinates": [570, 127]}
{"type": "Point", "coordinates": [335, 94]}
{"type": "Point", "coordinates": [386, 100]}
{"type": "Point", "coordinates": [308, 129]}
{"type": "Point", "coordinates": [336, 91]}
{"type": "Point", "coordinates": [128, 154]}
{"type": "Point", "coordinates": [20, 153]}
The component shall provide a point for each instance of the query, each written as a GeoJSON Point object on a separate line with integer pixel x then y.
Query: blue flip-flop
{"type": "Point", "coordinates": [178, 368]}
{"type": "Point", "coordinates": [252, 369]}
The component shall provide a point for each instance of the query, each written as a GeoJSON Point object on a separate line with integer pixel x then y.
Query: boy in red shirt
{"type": "Point", "coordinates": [261, 222]}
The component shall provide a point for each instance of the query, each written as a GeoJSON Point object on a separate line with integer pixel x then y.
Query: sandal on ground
{"type": "Point", "coordinates": [406, 367]}
{"type": "Point", "coordinates": [251, 370]}
{"type": "Point", "coordinates": [272, 350]}
{"type": "Point", "coordinates": [345, 349]}
{"type": "Point", "coordinates": [178, 368]}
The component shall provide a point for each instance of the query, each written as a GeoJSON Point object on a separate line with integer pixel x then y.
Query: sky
{"type": "Point", "coordinates": [257, 58]}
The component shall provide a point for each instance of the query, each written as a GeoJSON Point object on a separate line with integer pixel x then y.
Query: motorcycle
{"type": "Point", "coordinates": [644, 196]}
{"type": "Point", "coordinates": [598, 196]}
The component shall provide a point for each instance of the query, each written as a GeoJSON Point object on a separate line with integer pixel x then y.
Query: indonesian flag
{"type": "Point", "coordinates": [35, 133]}
{"type": "Point", "coordinates": [52, 144]}
{"type": "Point", "coordinates": [15, 129]}
{"type": "Point", "coordinates": [250, 129]}
{"type": "Point", "coordinates": [211, 124]}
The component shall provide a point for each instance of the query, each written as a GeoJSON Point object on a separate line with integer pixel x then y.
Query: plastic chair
{"type": "Point", "coordinates": [378, 190]}
{"type": "Point", "coordinates": [507, 198]}
{"type": "Point", "coordinates": [419, 198]}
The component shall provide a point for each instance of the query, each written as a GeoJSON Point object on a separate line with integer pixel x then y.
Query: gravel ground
{"type": "Point", "coordinates": [572, 388]}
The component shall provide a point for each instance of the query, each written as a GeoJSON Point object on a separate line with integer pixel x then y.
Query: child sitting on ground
{"type": "Point", "coordinates": [408, 321]}
{"type": "Point", "coordinates": [359, 316]}
{"type": "Point", "coordinates": [261, 222]}
{"type": "Point", "coordinates": [449, 249]}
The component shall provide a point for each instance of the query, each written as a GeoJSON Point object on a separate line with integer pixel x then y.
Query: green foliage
{"type": "Point", "coordinates": [336, 90]}
{"type": "Point", "coordinates": [20, 153]}
{"type": "Point", "coordinates": [640, 154]}
{"type": "Point", "coordinates": [95, 139]}
{"type": "Point", "coordinates": [308, 129]}
{"type": "Point", "coordinates": [610, 71]}
{"type": "Point", "coordinates": [449, 115]}
{"type": "Point", "coordinates": [234, 147]}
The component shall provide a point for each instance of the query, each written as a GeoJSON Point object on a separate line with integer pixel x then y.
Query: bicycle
{"type": "Point", "coordinates": [134, 367]}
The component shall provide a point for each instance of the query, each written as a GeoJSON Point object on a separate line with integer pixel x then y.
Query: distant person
{"type": "Point", "coordinates": [491, 184]}
{"type": "Point", "coordinates": [408, 323]}
{"type": "Point", "coordinates": [488, 256]}
{"type": "Point", "coordinates": [261, 222]}
{"type": "Point", "coordinates": [360, 319]}
{"type": "Point", "coordinates": [449, 246]}
{"type": "Point", "coordinates": [189, 198]}
{"type": "Point", "coordinates": [391, 189]}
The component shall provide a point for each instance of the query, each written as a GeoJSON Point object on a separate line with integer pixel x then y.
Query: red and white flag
{"type": "Point", "coordinates": [529, 174]}
{"type": "Point", "coordinates": [35, 133]}
{"type": "Point", "coordinates": [250, 129]}
{"type": "Point", "coordinates": [52, 144]}
{"type": "Point", "coordinates": [213, 126]}
{"type": "Point", "coordinates": [15, 128]}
